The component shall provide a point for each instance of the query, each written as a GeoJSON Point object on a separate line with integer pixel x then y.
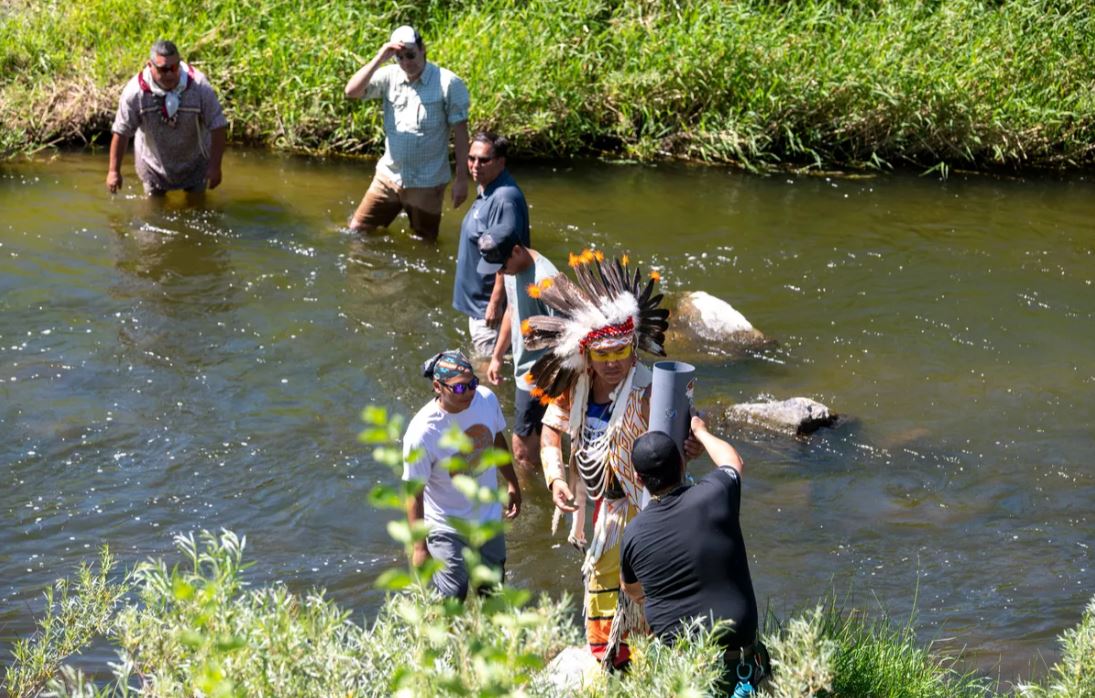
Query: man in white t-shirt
{"type": "Point", "coordinates": [458, 400]}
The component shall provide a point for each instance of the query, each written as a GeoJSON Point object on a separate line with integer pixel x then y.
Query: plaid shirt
{"type": "Point", "coordinates": [418, 118]}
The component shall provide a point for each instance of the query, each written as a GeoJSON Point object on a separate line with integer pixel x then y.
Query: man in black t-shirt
{"type": "Point", "coordinates": [683, 556]}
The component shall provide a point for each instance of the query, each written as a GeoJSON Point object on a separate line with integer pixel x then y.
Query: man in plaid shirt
{"type": "Point", "coordinates": [423, 104]}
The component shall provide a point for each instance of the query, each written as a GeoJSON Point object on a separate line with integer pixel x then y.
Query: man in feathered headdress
{"type": "Point", "coordinates": [598, 393]}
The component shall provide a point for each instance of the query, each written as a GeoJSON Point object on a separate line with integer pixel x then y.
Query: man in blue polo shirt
{"type": "Point", "coordinates": [500, 207]}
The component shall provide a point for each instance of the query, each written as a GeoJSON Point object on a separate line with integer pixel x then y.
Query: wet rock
{"type": "Point", "coordinates": [571, 669]}
{"type": "Point", "coordinates": [710, 319]}
{"type": "Point", "coordinates": [799, 415]}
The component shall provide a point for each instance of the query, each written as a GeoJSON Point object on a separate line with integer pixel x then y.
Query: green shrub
{"type": "Point", "coordinates": [197, 628]}
{"type": "Point", "coordinates": [758, 84]}
{"type": "Point", "coordinates": [1074, 674]}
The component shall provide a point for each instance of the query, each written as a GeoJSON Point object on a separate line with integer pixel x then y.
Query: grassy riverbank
{"type": "Point", "coordinates": [196, 628]}
{"type": "Point", "coordinates": [851, 83]}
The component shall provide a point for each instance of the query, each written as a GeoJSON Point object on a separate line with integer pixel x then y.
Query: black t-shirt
{"type": "Point", "coordinates": [688, 553]}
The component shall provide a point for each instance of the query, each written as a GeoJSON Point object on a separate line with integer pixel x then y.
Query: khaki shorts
{"type": "Point", "coordinates": [384, 200]}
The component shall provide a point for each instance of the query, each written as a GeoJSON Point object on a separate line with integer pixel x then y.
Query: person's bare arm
{"type": "Point", "coordinates": [118, 145]}
{"type": "Point", "coordinates": [720, 451]}
{"type": "Point", "coordinates": [460, 146]}
{"type": "Point", "coordinates": [359, 82]}
{"type": "Point", "coordinates": [216, 154]}
{"type": "Point", "coordinates": [415, 513]}
{"type": "Point", "coordinates": [513, 488]}
{"type": "Point", "coordinates": [551, 460]}
{"type": "Point", "coordinates": [494, 373]}
{"type": "Point", "coordinates": [496, 306]}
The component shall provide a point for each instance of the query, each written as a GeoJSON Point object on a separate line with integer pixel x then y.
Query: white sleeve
{"type": "Point", "coordinates": [416, 468]}
{"type": "Point", "coordinates": [499, 418]}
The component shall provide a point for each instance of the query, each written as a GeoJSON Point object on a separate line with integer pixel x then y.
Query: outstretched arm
{"type": "Point", "coordinates": [720, 450]}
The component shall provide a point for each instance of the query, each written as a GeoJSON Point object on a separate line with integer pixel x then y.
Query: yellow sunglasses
{"type": "Point", "coordinates": [617, 355]}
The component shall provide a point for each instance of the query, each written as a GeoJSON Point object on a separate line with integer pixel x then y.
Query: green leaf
{"type": "Point", "coordinates": [457, 440]}
{"type": "Point", "coordinates": [181, 589]}
{"type": "Point", "coordinates": [374, 435]}
{"type": "Point", "coordinates": [375, 415]}
{"type": "Point", "coordinates": [384, 497]}
{"type": "Point", "coordinates": [389, 456]}
{"type": "Point", "coordinates": [227, 643]}
{"type": "Point", "coordinates": [429, 568]}
{"type": "Point", "coordinates": [400, 531]}
{"type": "Point", "coordinates": [191, 639]}
{"type": "Point", "coordinates": [419, 531]}
{"type": "Point", "coordinates": [466, 486]}
{"type": "Point", "coordinates": [394, 580]}
{"type": "Point", "coordinates": [454, 464]}
{"type": "Point", "coordinates": [494, 458]}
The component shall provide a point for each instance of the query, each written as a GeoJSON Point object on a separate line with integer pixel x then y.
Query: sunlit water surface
{"type": "Point", "coordinates": [168, 367]}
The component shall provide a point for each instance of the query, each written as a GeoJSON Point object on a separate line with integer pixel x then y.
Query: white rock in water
{"type": "Point", "coordinates": [799, 415]}
{"type": "Point", "coordinates": [569, 670]}
{"type": "Point", "coordinates": [712, 318]}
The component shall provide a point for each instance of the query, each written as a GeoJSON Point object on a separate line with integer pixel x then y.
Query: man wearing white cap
{"type": "Point", "coordinates": [423, 104]}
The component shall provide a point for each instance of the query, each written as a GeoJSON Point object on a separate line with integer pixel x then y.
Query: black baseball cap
{"type": "Point", "coordinates": [495, 246]}
{"type": "Point", "coordinates": [655, 453]}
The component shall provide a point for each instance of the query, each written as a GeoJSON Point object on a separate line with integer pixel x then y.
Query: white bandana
{"type": "Point", "coordinates": [170, 99]}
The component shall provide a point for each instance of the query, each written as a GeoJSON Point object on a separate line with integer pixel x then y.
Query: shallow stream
{"type": "Point", "coordinates": [167, 367]}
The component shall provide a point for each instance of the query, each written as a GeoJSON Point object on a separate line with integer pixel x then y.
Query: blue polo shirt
{"type": "Point", "coordinates": [501, 205]}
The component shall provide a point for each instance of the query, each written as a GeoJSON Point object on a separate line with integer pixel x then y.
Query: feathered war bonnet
{"type": "Point", "coordinates": [607, 304]}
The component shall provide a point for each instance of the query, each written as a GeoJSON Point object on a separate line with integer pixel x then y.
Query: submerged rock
{"type": "Point", "coordinates": [799, 415]}
{"type": "Point", "coordinates": [710, 319]}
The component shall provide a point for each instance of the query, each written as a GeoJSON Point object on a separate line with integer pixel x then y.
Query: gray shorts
{"type": "Point", "coordinates": [483, 338]}
{"type": "Point", "coordinates": [529, 413]}
{"type": "Point", "coordinates": [448, 548]}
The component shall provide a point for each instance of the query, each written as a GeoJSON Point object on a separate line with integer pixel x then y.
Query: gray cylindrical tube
{"type": "Point", "coordinates": [671, 399]}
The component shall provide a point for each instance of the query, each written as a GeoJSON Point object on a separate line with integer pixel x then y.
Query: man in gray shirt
{"type": "Point", "coordinates": [523, 266]}
{"type": "Point", "coordinates": [423, 105]}
{"type": "Point", "coordinates": [177, 122]}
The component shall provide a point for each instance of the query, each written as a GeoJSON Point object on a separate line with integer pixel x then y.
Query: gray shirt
{"type": "Point", "coordinates": [418, 118]}
{"type": "Point", "coordinates": [170, 155]}
{"type": "Point", "coordinates": [525, 306]}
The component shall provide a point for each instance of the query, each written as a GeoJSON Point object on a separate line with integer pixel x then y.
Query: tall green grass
{"type": "Point", "coordinates": [851, 83]}
{"type": "Point", "coordinates": [195, 627]}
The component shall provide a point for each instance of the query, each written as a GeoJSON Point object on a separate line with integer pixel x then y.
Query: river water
{"type": "Point", "coordinates": [172, 366]}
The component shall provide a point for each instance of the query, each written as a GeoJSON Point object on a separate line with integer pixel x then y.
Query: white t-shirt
{"type": "Point", "coordinates": [481, 421]}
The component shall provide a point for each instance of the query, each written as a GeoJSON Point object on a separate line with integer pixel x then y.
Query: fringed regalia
{"type": "Point", "coordinates": [604, 309]}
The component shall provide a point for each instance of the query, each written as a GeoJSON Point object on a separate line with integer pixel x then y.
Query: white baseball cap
{"type": "Point", "coordinates": [406, 35]}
